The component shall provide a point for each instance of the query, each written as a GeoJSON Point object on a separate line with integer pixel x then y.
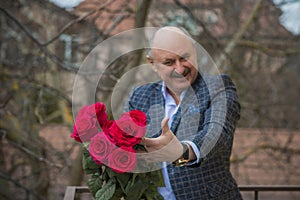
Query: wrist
{"type": "Point", "coordinates": [186, 151]}
{"type": "Point", "coordinates": [184, 158]}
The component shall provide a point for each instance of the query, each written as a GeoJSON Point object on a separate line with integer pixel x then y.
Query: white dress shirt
{"type": "Point", "coordinates": [170, 109]}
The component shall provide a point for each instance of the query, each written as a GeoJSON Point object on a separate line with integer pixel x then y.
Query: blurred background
{"type": "Point", "coordinates": [43, 44]}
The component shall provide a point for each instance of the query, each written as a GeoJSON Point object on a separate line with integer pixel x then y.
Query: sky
{"type": "Point", "coordinates": [290, 17]}
{"type": "Point", "coordinates": [68, 4]}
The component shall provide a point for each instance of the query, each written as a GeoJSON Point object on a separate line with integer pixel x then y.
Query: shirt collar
{"type": "Point", "coordinates": [168, 96]}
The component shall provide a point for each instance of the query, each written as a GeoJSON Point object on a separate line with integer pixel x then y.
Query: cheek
{"type": "Point", "coordinates": [164, 73]}
{"type": "Point", "coordinates": [194, 73]}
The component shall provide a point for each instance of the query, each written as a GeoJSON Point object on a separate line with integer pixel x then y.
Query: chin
{"type": "Point", "coordinates": [178, 88]}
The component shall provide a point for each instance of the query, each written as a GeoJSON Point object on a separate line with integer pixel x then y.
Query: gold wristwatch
{"type": "Point", "coordinates": [184, 159]}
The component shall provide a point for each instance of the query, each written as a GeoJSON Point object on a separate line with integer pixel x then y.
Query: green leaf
{"type": "Point", "coordinates": [133, 178]}
{"type": "Point", "coordinates": [105, 176]}
{"type": "Point", "coordinates": [88, 164]}
{"type": "Point", "coordinates": [152, 193]}
{"type": "Point", "coordinates": [90, 171]}
{"type": "Point", "coordinates": [123, 180]}
{"type": "Point", "coordinates": [107, 191]}
{"type": "Point", "coordinates": [95, 183]}
{"type": "Point", "coordinates": [157, 178]}
{"type": "Point", "coordinates": [111, 173]}
{"type": "Point", "coordinates": [136, 187]}
{"type": "Point", "coordinates": [118, 194]}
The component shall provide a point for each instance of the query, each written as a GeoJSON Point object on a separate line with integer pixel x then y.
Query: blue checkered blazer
{"type": "Point", "coordinates": [207, 116]}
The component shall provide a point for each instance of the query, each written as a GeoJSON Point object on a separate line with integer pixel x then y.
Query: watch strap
{"type": "Point", "coordinates": [186, 152]}
{"type": "Point", "coordinates": [184, 158]}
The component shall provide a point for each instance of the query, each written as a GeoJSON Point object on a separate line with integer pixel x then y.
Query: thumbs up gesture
{"type": "Point", "coordinates": [166, 147]}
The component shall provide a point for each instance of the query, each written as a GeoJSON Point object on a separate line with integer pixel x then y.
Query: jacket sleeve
{"type": "Point", "coordinates": [220, 118]}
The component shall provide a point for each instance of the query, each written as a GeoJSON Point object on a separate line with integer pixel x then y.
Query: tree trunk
{"type": "Point", "coordinates": [76, 174]}
{"type": "Point", "coordinates": [140, 21]}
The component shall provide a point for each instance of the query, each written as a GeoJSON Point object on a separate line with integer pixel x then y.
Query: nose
{"type": "Point", "coordinates": [179, 68]}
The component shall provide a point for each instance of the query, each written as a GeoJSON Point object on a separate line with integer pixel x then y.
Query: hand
{"type": "Point", "coordinates": [166, 147]}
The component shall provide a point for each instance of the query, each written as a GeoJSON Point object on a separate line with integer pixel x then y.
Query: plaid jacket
{"type": "Point", "coordinates": [207, 116]}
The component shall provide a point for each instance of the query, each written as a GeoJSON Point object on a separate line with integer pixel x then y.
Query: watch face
{"type": "Point", "coordinates": [180, 162]}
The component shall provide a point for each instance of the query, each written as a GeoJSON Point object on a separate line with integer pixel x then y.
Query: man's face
{"type": "Point", "coordinates": [175, 62]}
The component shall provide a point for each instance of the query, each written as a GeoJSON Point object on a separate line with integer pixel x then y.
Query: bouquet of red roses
{"type": "Point", "coordinates": [110, 154]}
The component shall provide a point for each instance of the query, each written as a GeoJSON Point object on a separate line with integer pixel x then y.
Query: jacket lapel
{"type": "Point", "coordinates": [186, 120]}
{"type": "Point", "coordinates": [176, 121]}
{"type": "Point", "coordinates": [156, 112]}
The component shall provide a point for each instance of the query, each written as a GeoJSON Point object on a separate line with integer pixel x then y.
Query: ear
{"type": "Point", "coordinates": [149, 59]}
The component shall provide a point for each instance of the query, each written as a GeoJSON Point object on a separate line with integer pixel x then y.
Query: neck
{"type": "Point", "coordinates": [175, 95]}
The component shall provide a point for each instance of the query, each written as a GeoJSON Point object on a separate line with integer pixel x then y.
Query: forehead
{"type": "Point", "coordinates": [161, 54]}
{"type": "Point", "coordinates": [171, 43]}
{"type": "Point", "coordinates": [173, 50]}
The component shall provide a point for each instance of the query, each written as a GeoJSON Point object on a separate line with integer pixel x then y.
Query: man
{"type": "Point", "coordinates": [192, 118]}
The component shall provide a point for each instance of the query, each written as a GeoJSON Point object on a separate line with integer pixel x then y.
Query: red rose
{"type": "Point", "coordinates": [75, 134]}
{"type": "Point", "coordinates": [128, 130]}
{"type": "Point", "coordinates": [85, 111]}
{"type": "Point", "coordinates": [84, 129]}
{"type": "Point", "coordinates": [133, 123]}
{"type": "Point", "coordinates": [138, 117]}
{"type": "Point", "coordinates": [115, 134]}
{"type": "Point", "coordinates": [124, 133]}
{"type": "Point", "coordinates": [106, 129]}
{"type": "Point", "coordinates": [122, 160]}
{"type": "Point", "coordinates": [97, 110]}
{"type": "Point", "coordinates": [101, 113]}
{"type": "Point", "coordinates": [100, 147]}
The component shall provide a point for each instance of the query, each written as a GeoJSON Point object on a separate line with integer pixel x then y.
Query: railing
{"type": "Point", "coordinates": [268, 188]}
{"type": "Point", "coordinates": [71, 191]}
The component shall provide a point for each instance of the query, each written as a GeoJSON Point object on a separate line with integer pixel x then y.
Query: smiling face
{"type": "Point", "coordinates": [174, 59]}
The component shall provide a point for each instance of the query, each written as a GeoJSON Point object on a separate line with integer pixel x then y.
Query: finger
{"type": "Point", "coordinates": [150, 142]}
{"type": "Point", "coordinates": [154, 144]}
{"type": "Point", "coordinates": [164, 125]}
{"type": "Point", "coordinates": [143, 142]}
{"type": "Point", "coordinates": [140, 151]}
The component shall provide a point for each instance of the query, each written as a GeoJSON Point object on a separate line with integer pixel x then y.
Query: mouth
{"type": "Point", "coordinates": [184, 74]}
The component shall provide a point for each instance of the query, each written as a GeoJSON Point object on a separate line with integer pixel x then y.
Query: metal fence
{"type": "Point", "coordinates": [71, 191]}
{"type": "Point", "coordinates": [256, 189]}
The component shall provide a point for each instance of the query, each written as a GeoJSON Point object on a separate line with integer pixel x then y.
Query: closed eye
{"type": "Point", "coordinates": [168, 62]}
{"type": "Point", "coordinates": [184, 57]}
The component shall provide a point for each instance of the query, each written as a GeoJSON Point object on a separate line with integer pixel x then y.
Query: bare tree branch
{"type": "Point", "coordinates": [268, 50]}
{"type": "Point", "coordinates": [285, 2]}
{"type": "Point", "coordinates": [232, 44]}
{"type": "Point", "coordinates": [71, 23]}
{"type": "Point", "coordinates": [198, 21]}
{"type": "Point", "coordinates": [32, 154]}
{"type": "Point", "coordinates": [18, 184]}
{"type": "Point", "coordinates": [39, 85]}
{"type": "Point", "coordinates": [54, 58]}
{"type": "Point", "coordinates": [23, 28]}
{"type": "Point", "coordinates": [117, 21]}
{"type": "Point", "coordinates": [263, 146]}
{"type": "Point", "coordinates": [6, 100]}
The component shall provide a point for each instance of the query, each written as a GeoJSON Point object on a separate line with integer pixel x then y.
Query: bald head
{"type": "Point", "coordinates": [170, 38]}
{"type": "Point", "coordinates": [170, 30]}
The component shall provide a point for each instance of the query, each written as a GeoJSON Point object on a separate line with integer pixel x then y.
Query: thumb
{"type": "Point", "coordinates": [164, 125]}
